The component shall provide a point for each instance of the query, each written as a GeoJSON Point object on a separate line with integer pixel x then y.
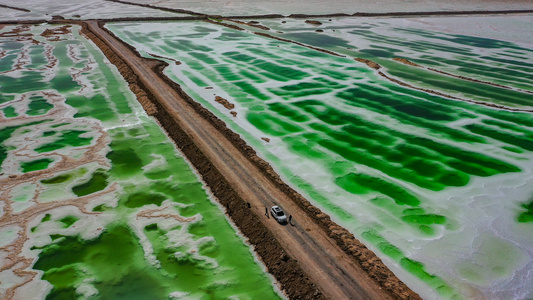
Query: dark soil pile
{"type": "Point", "coordinates": [225, 103]}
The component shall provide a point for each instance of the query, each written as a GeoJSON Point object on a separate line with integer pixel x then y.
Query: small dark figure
{"type": "Point", "coordinates": [249, 205]}
{"type": "Point", "coordinates": [290, 220]}
{"type": "Point", "coordinates": [266, 212]}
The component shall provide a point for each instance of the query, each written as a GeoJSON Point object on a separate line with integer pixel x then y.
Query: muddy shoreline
{"type": "Point", "coordinates": [292, 279]}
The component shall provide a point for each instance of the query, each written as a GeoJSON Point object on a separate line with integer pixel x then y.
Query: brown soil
{"type": "Point", "coordinates": [251, 23]}
{"type": "Point", "coordinates": [56, 34]}
{"type": "Point", "coordinates": [406, 61]}
{"type": "Point", "coordinates": [228, 105]}
{"type": "Point", "coordinates": [313, 22]}
{"type": "Point", "coordinates": [144, 99]}
{"type": "Point", "coordinates": [285, 269]}
{"type": "Point", "coordinates": [369, 63]}
{"type": "Point", "coordinates": [177, 62]}
{"type": "Point", "coordinates": [225, 25]}
{"type": "Point", "coordinates": [18, 32]}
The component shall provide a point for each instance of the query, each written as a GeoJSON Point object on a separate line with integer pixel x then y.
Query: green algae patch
{"type": "Point", "coordinates": [527, 215]}
{"type": "Point", "coordinates": [384, 246]}
{"type": "Point", "coordinates": [101, 208]}
{"type": "Point", "coordinates": [63, 290]}
{"type": "Point", "coordinates": [9, 112]}
{"type": "Point", "coordinates": [49, 133]}
{"type": "Point", "coordinates": [66, 177]}
{"type": "Point", "coordinates": [38, 106]}
{"type": "Point", "coordinates": [525, 141]}
{"type": "Point", "coordinates": [57, 179]}
{"type": "Point", "coordinates": [36, 165]}
{"type": "Point", "coordinates": [114, 264]}
{"type": "Point", "coordinates": [113, 261]}
{"type": "Point", "coordinates": [58, 125]}
{"type": "Point", "coordinates": [272, 125]}
{"type": "Point", "coordinates": [361, 183]}
{"type": "Point", "coordinates": [97, 183]}
{"type": "Point", "coordinates": [424, 222]}
{"type": "Point", "coordinates": [6, 133]}
{"type": "Point", "coordinates": [418, 269]}
{"type": "Point", "coordinates": [55, 237]}
{"type": "Point", "coordinates": [68, 221]}
{"type": "Point", "coordinates": [67, 138]}
{"type": "Point", "coordinates": [97, 107]}
{"type": "Point", "coordinates": [141, 199]}
{"type": "Point", "coordinates": [46, 218]}
{"type": "Point", "coordinates": [124, 161]}
{"type": "Point", "coordinates": [425, 219]}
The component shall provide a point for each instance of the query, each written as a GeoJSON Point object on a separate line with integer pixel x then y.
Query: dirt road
{"type": "Point", "coordinates": [328, 267]}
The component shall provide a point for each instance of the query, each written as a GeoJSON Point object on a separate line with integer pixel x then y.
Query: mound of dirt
{"type": "Point", "coordinates": [228, 105]}
{"type": "Point", "coordinates": [369, 63]}
{"type": "Point", "coordinates": [313, 22]}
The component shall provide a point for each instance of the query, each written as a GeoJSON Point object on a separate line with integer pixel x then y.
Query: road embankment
{"type": "Point", "coordinates": [300, 257]}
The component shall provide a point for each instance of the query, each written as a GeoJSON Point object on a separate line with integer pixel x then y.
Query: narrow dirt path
{"type": "Point", "coordinates": [326, 264]}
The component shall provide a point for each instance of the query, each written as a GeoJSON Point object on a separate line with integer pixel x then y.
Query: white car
{"type": "Point", "coordinates": [278, 214]}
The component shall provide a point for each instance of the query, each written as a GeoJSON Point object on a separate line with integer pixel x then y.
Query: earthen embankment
{"type": "Point", "coordinates": [273, 254]}
{"type": "Point", "coordinates": [292, 279]}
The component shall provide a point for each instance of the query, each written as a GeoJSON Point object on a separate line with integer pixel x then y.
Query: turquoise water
{"type": "Point", "coordinates": [420, 178]}
{"type": "Point", "coordinates": [113, 211]}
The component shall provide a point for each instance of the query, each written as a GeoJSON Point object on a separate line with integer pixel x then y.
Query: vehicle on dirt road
{"type": "Point", "coordinates": [278, 214]}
